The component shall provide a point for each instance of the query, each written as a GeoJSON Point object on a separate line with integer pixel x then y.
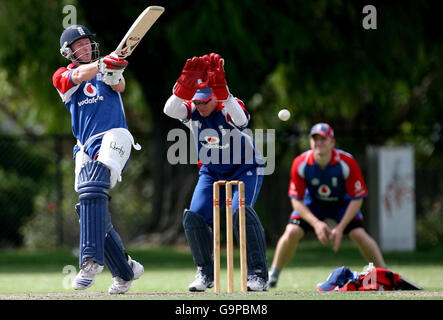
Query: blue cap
{"type": "Point", "coordinates": [322, 129]}
{"type": "Point", "coordinates": [337, 279]}
{"type": "Point", "coordinates": [203, 94]}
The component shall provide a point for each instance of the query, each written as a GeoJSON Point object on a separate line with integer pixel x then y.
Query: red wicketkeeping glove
{"type": "Point", "coordinates": [193, 77]}
{"type": "Point", "coordinates": [216, 76]}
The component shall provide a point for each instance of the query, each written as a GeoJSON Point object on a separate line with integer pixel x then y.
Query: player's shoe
{"type": "Point", "coordinates": [272, 280]}
{"type": "Point", "coordinates": [121, 286]}
{"type": "Point", "coordinates": [85, 278]}
{"type": "Point", "coordinates": [257, 283]}
{"type": "Point", "coordinates": [201, 282]}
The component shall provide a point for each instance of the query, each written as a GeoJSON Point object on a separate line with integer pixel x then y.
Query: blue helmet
{"type": "Point", "coordinates": [72, 34]}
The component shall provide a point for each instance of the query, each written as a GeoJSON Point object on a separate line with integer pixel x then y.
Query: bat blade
{"type": "Point", "coordinates": [138, 30]}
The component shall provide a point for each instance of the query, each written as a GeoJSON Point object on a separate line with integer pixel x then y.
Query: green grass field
{"type": "Point", "coordinates": [168, 271]}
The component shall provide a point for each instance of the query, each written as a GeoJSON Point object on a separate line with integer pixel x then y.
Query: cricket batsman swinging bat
{"type": "Point", "coordinates": [137, 31]}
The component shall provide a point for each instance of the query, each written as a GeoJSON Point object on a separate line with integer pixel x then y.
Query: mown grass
{"type": "Point", "coordinates": [168, 271]}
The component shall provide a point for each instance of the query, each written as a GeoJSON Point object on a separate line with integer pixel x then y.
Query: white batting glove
{"type": "Point", "coordinates": [112, 77]}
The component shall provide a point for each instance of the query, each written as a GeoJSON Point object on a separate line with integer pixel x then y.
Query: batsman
{"type": "Point", "coordinates": [90, 88]}
{"type": "Point", "coordinates": [218, 121]}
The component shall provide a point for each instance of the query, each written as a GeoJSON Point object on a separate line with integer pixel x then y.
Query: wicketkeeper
{"type": "Point", "coordinates": [218, 121]}
{"type": "Point", "coordinates": [90, 88]}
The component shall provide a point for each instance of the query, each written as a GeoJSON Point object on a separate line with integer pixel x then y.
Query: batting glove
{"type": "Point", "coordinates": [112, 77]}
{"type": "Point", "coordinates": [111, 62]}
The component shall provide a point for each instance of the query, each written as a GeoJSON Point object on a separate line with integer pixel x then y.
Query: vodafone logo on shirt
{"type": "Point", "coordinates": [324, 190]}
{"type": "Point", "coordinates": [90, 91]}
{"type": "Point", "coordinates": [212, 139]}
{"type": "Point", "coordinates": [213, 142]}
{"type": "Point", "coordinates": [324, 193]}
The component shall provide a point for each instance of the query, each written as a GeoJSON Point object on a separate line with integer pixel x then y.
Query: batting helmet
{"type": "Point", "coordinates": [72, 34]}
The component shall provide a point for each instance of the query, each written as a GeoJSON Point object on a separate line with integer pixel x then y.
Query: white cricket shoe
{"type": "Point", "coordinates": [121, 286]}
{"type": "Point", "coordinates": [85, 278]}
{"type": "Point", "coordinates": [257, 283]}
{"type": "Point", "coordinates": [201, 282]}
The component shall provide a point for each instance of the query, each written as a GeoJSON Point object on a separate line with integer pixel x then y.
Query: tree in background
{"type": "Point", "coordinates": [311, 57]}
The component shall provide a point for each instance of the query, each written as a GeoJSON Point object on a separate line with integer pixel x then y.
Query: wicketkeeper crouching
{"type": "Point", "coordinates": [218, 121]}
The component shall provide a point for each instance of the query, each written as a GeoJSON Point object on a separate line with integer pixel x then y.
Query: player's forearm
{"type": "Point", "coordinates": [304, 211]}
{"type": "Point", "coordinates": [351, 211]}
{"type": "Point", "coordinates": [84, 72]}
{"type": "Point", "coordinates": [175, 108]}
{"type": "Point", "coordinates": [236, 112]}
{"type": "Point", "coordinates": [121, 86]}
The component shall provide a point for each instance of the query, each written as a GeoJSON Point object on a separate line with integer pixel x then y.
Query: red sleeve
{"type": "Point", "coordinates": [62, 80]}
{"type": "Point", "coordinates": [355, 183]}
{"type": "Point", "coordinates": [242, 105]}
{"type": "Point", "coordinates": [188, 104]}
{"type": "Point", "coordinates": [297, 183]}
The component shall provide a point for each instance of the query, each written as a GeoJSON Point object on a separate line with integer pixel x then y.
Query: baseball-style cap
{"type": "Point", "coordinates": [322, 129]}
{"type": "Point", "coordinates": [337, 279]}
{"type": "Point", "coordinates": [203, 95]}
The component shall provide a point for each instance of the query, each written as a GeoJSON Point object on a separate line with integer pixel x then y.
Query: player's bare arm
{"type": "Point", "coordinates": [337, 233]}
{"type": "Point", "coordinates": [321, 228]}
{"type": "Point", "coordinates": [84, 72]}
{"type": "Point", "coordinates": [121, 86]}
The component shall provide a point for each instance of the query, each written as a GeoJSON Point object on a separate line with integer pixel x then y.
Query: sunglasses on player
{"type": "Point", "coordinates": [197, 102]}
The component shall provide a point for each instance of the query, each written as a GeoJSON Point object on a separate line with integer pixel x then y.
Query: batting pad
{"type": "Point", "coordinates": [200, 241]}
{"type": "Point", "coordinates": [93, 187]}
{"type": "Point", "coordinates": [116, 259]}
{"type": "Point", "coordinates": [255, 242]}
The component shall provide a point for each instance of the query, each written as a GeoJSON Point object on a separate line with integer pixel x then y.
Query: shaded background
{"type": "Point", "coordinates": [375, 87]}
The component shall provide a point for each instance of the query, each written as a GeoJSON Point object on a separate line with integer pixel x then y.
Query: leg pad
{"type": "Point", "coordinates": [200, 240]}
{"type": "Point", "coordinates": [116, 258]}
{"type": "Point", "coordinates": [93, 187]}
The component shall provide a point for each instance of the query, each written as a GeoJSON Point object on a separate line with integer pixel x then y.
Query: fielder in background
{"type": "Point", "coordinates": [217, 120]}
{"type": "Point", "coordinates": [90, 88]}
{"type": "Point", "coordinates": [325, 183]}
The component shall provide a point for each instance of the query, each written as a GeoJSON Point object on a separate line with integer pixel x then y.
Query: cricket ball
{"type": "Point", "coordinates": [284, 114]}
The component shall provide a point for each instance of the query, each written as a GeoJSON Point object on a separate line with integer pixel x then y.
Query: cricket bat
{"type": "Point", "coordinates": [137, 31]}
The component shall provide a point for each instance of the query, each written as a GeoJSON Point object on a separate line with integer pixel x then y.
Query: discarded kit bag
{"type": "Point", "coordinates": [372, 279]}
